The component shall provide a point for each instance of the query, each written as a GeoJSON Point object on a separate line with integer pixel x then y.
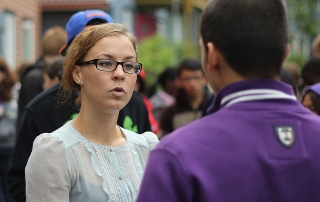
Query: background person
{"type": "Point", "coordinates": [142, 88]}
{"type": "Point", "coordinates": [310, 72]}
{"type": "Point", "coordinates": [311, 98]}
{"type": "Point", "coordinates": [165, 96]}
{"type": "Point", "coordinates": [51, 71]}
{"type": "Point", "coordinates": [189, 99]}
{"type": "Point", "coordinates": [8, 118]}
{"type": "Point", "coordinates": [32, 77]}
{"type": "Point", "coordinates": [258, 143]}
{"type": "Point", "coordinates": [92, 157]}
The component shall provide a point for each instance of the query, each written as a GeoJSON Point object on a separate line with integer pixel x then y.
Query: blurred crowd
{"type": "Point", "coordinates": [30, 101]}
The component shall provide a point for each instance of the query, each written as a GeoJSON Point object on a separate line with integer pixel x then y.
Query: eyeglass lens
{"type": "Point", "coordinates": [111, 65]}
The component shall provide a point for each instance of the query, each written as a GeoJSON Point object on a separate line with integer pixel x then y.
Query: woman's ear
{"type": "Point", "coordinates": [77, 75]}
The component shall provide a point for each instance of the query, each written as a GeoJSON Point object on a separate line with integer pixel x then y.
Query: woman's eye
{"type": "Point", "coordinates": [128, 66]}
{"type": "Point", "coordinates": [105, 63]}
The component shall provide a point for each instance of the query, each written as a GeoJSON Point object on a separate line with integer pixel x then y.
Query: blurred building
{"type": "Point", "coordinates": [20, 24]}
{"type": "Point", "coordinates": [178, 20]}
{"type": "Point", "coordinates": [58, 12]}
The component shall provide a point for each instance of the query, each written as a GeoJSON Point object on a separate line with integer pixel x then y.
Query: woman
{"type": "Point", "coordinates": [310, 98]}
{"type": "Point", "coordinates": [8, 118]}
{"type": "Point", "coordinates": [141, 87]}
{"type": "Point", "coordinates": [90, 158]}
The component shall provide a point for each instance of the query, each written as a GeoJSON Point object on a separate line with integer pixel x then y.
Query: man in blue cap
{"type": "Point", "coordinates": [82, 19]}
{"type": "Point", "coordinates": [44, 114]}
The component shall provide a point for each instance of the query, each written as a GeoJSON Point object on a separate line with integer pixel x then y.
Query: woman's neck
{"type": "Point", "coordinates": [99, 127]}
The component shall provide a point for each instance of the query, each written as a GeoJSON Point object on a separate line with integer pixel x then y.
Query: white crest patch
{"type": "Point", "coordinates": [285, 135]}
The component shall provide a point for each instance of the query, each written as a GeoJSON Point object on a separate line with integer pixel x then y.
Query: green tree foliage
{"type": "Point", "coordinates": [298, 59]}
{"type": "Point", "coordinates": [304, 15]}
{"type": "Point", "coordinates": [155, 53]}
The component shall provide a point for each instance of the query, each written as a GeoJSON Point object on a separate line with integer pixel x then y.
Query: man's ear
{"type": "Point", "coordinates": [213, 60]}
{"type": "Point", "coordinates": [77, 75]}
{"type": "Point", "coordinates": [287, 52]}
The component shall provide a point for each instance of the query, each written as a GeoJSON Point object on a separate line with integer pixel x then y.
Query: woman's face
{"type": "Point", "coordinates": [307, 103]}
{"type": "Point", "coordinates": [107, 90]}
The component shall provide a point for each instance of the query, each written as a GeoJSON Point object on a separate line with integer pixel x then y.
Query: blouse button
{"type": "Point", "coordinates": [110, 150]}
{"type": "Point", "coordinates": [120, 178]}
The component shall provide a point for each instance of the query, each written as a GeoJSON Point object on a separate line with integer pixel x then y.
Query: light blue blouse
{"type": "Point", "coordinates": [65, 166]}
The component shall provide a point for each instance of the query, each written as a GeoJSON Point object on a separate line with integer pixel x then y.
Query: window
{"type": "Point", "coordinates": [2, 34]}
{"type": "Point", "coordinates": [127, 18]}
{"type": "Point", "coordinates": [10, 39]}
{"type": "Point", "coordinates": [28, 40]}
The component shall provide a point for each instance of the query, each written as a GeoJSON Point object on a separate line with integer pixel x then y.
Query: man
{"type": "Point", "coordinates": [45, 113]}
{"type": "Point", "coordinates": [32, 78]}
{"type": "Point", "coordinates": [164, 96]}
{"type": "Point", "coordinates": [258, 143]}
{"type": "Point", "coordinates": [189, 99]}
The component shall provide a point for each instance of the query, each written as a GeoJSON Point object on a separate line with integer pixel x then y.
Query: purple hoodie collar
{"type": "Point", "coordinates": [251, 89]}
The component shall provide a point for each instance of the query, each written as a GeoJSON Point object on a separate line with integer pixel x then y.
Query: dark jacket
{"type": "Point", "coordinates": [180, 113]}
{"type": "Point", "coordinates": [44, 115]}
{"type": "Point", "coordinates": [1, 194]}
{"type": "Point", "coordinates": [31, 86]}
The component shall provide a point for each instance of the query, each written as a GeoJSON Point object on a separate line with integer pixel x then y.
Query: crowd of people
{"type": "Point", "coordinates": [239, 124]}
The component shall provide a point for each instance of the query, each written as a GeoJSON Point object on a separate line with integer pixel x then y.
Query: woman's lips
{"type": "Point", "coordinates": [118, 91]}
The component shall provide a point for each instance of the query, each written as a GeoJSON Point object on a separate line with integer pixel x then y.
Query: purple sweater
{"type": "Point", "coordinates": [257, 144]}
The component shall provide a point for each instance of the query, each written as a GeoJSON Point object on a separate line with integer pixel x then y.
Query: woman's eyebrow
{"type": "Point", "coordinates": [111, 57]}
{"type": "Point", "coordinates": [105, 55]}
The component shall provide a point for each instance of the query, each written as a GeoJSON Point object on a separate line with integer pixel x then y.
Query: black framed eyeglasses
{"type": "Point", "coordinates": [107, 65]}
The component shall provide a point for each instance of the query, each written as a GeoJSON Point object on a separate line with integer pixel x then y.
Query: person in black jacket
{"type": "Point", "coordinates": [32, 78]}
{"type": "Point", "coordinates": [46, 114]}
{"type": "Point", "coordinates": [1, 194]}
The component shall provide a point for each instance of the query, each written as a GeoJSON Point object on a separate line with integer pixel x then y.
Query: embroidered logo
{"type": "Point", "coordinates": [285, 135]}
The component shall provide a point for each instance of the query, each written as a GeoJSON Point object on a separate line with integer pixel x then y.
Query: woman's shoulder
{"type": "Point", "coordinates": [146, 139]}
{"type": "Point", "coordinates": [66, 135]}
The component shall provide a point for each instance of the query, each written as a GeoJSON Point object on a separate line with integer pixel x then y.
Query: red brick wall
{"type": "Point", "coordinates": [30, 9]}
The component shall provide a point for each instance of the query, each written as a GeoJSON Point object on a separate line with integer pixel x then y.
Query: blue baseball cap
{"type": "Point", "coordinates": [79, 21]}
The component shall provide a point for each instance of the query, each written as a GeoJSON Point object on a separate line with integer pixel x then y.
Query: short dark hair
{"type": "Point", "coordinates": [54, 66]}
{"type": "Point", "coordinates": [189, 64]}
{"type": "Point", "coordinates": [169, 74]}
{"type": "Point", "coordinates": [310, 72]}
{"type": "Point", "coordinates": [252, 35]}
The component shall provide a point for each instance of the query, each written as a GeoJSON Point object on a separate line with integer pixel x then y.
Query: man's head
{"type": "Point", "coordinates": [310, 72]}
{"type": "Point", "coordinates": [51, 71]}
{"type": "Point", "coordinates": [168, 80]}
{"type": "Point", "coordinates": [191, 78]}
{"type": "Point", "coordinates": [53, 39]}
{"type": "Point", "coordinates": [250, 35]}
{"type": "Point", "coordinates": [80, 20]}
